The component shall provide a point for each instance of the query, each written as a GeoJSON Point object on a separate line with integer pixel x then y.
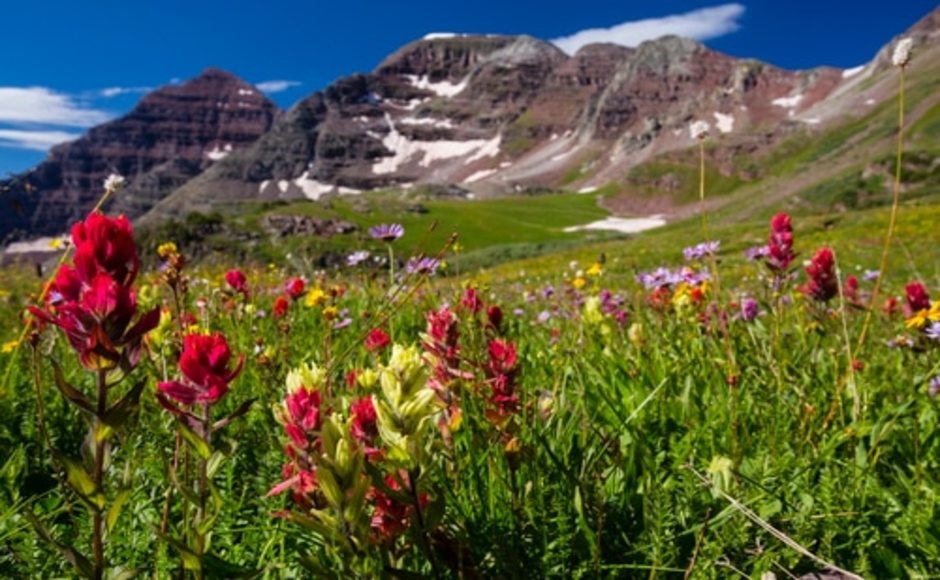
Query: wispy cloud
{"type": "Point", "coordinates": [40, 105]}
{"type": "Point", "coordinates": [276, 86]}
{"type": "Point", "coordinates": [701, 24]}
{"type": "Point", "coordinates": [34, 140]}
{"type": "Point", "coordinates": [118, 91]}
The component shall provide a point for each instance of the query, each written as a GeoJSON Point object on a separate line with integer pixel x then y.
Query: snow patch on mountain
{"type": "Point", "coordinates": [788, 102]}
{"type": "Point", "coordinates": [445, 89]}
{"type": "Point", "coordinates": [427, 152]}
{"type": "Point", "coordinates": [851, 72]}
{"type": "Point", "coordinates": [725, 123]}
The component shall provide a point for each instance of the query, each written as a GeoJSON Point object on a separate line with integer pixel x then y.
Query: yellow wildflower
{"type": "Point", "coordinates": [595, 270]}
{"type": "Point", "coordinates": [9, 346]}
{"type": "Point", "coordinates": [167, 249]}
{"type": "Point", "coordinates": [579, 283]}
{"type": "Point", "coordinates": [330, 312]}
{"type": "Point", "coordinates": [592, 310]}
{"type": "Point", "coordinates": [934, 313]}
{"type": "Point", "coordinates": [315, 297]}
{"type": "Point", "coordinates": [367, 379]}
{"type": "Point", "coordinates": [919, 319]}
{"type": "Point", "coordinates": [196, 329]}
{"type": "Point", "coordinates": [635, 334]}
{"type": "Point", "coordinates": [56, 243]}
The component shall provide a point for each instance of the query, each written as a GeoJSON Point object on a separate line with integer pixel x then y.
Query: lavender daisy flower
{"type": "Point", "coordinates": [934, 388]}
{"type": "Point", "coordinates": [700, 251]}
{"type": "Point", "coordinates": [871, 275]}
{"type": "Point", "coordinates": [423, 265]}
{"type": "Point", "coordinates": [933, 331]}
{"type": "Point", "coordinates": [342, 324]}
{"type": "Point", "coordinates": [387, 233]}
{"type": "Point", "coordinates": [756, 253]}
{"type": "Point", "coordinates": [357, 258]}
{"type": "Point", "coordinates": [543, 317]}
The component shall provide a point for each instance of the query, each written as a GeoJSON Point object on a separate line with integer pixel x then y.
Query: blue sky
{"type": "Point", "coordinates": [67, 65]}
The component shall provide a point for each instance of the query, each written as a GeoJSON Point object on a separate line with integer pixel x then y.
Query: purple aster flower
{"type": "Point", "coordinates": [543, 317]}
{"type": "Point", "coordinates": [388, 233]}
{"type": "Point", "coordinates": [357, 258]}
{"type": "Point", "coordinates": [934, 389]}
{"type": "Point", "coordinates": [548, 291]}
{"type": "Point", "coordinates": [871, 275]}
{"type": "Point", "coordinates": [518, 311]}
{"type": "Point", "coordinates": [342, 323]}
{"type": "Point", "coordinates": [933, 331]}
{"type": "Point", "coordinates": [757, 253]}
{"type": "Point", "coordinates": [422, 265]}
{"type": "Point", "coordinates": [700, 251]}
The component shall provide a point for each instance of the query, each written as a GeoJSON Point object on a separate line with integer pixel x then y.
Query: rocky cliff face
{"type": "Point", "coordinates": [492, 114]}
{"type": "Point", "coordinates": [482, 114]}
{"type": "Point", "coordinates": [172, 135]}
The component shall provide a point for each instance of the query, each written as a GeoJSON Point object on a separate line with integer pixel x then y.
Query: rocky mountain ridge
{"type": "Point", "coordinates": [485, 114]}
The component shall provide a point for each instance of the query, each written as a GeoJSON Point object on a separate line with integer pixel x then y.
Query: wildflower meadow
{"type": "Point", "coordinates": [730, 409]}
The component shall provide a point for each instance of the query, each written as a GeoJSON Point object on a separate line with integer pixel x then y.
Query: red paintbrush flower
{"type": "Point", "coordinates": [822, 285]}
{"type": "Point", "coordinates": [237, 280]}
{"type": "Point", "coordinates": [96, 319]}
{"type": "Point", "coordinates": [105, 245]}
{"type": "Point", "coordinates": [204, 364]}
{"type": "Point", "coordinates": [280, 307]}
{"type": "Point", "coordinates": [917, 298]}
{"type": "Point", "coordinates": [780, 252]}
{"type": "Point", "coordinates": [495, 316]}
{"type": "Point", "coordinates": [471, 300]}
{"type": "Point", "coordinates": [377, 340]}
{"type": "Point", "coordinates": [295, 288]}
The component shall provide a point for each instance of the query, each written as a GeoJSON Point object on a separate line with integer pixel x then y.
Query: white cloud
{"type": "Point", "coordinates": [35, 140]}
{"type": "Point", "coordinates": [276, 86]}
{"type": "Point", "coordinates": [117, 91]}
{"type": "Point", "coordinates": [699, 24]}
{"type": "Point", "coordinates": [39, 105]}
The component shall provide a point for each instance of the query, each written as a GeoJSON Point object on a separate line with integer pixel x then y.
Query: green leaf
{"type": "Point", "coordinates": [583, 522]}
{"type": "Point", "coordinates": [314, 524]}
{"type": "Point", "coordinates": [81, 564]}
{"type": "Point", "coordinates": [124, 409]}
{"type": "Point", "coordinates": [241, 410]}
{"type": "Point", "coordinates": [434, 513]}
{"type": "Point", "coordinates": [72, 394]}
{"type": "Point", "coordinates": [118, 574]}
{"type": "Point", "coordinates": [219, 568]}
{"type": "Point", "coordinates": [115, 510]}
{"type": "Point", "coordinates": [215, 462]}
{"type": "Point", "coordinates": [191, 560]}
{"type": "Point", "coordinates": [195, 441]}
{"type": "Point", "coordinates": [80, 481]}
